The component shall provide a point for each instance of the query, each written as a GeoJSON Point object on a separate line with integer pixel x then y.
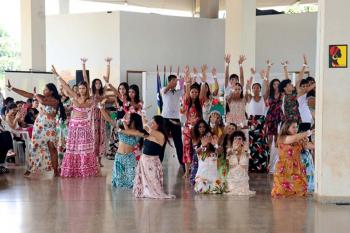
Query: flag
{"type": "Point", "coordinates": [159, 96]}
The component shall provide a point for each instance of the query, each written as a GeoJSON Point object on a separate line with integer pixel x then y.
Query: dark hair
{"type": "Point", "coordinates": [162, 127]}
{"type": "Point", "coordinates": [11, 106]}
{"type": "Point", "coordinates": [234, 76]}
{"type": "Point", "coordinates": [303, 82]}
{"type": "Point", "coordinates": [126, 86]}
{"type": "Point", "coordinates": [221, 122]}
{"type": "Point", "coordinates": [93, 87]}
{"type": "Point", "coordinates": [20, 102]}
{"type": "Point", "coordinates": [137, 93]}
{"type": "Point", "coordinates": [75, 85]}
{"type": "Point", "coordinates": [238, 133]}
{"type": "Point", "coordinates": [55, 95]}
{"type": "Point", "coordinates": [137, 120]}
{"type": "Point", "coordinates": [29, 101]}
{"type": "Point", "coordinates": [83, 83]}
{"type": "Point", "coordinates": [228, 138]}
{"type": "Point", "coordinates": [284, 129]}
{"type": "Point", "coordinates": [283, 84]}
{"type": "Point", "coordinates": [8, 100]}
{"type": "Point", "coordinates": [310, 79]}
{"type": "Point", "coordinates": [241, 95]}
{"type": "Point", "coordinates": [208, 92]}
{"type": "Point", "coordinates": [171, 77]}
{"type": "Point", "coordinates": [272, 90]}
{"type": "Point", "coordinates": [258, 84]}
{"type": "Point", "coordinates": [196, 134]}
{"type": "Point", "coordinates": [197, 103]}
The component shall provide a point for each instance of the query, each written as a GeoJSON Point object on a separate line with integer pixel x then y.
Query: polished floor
{"type": "Point", "coordinates": [46, 204]}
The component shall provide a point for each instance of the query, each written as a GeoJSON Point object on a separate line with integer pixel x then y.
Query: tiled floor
{"type": "Point", "coordinates": [45, 204]}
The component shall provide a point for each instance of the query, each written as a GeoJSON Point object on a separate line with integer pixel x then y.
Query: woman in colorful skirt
{"type": "Point", "coordinates": [149, 172]}
{"type": "Point", "coordinates": [79, 159]}
{"type": "Point", "coordinates": [290, 173]}
{"type": "Point", "coordinates": [238, 159]}
{"type": "Point", "coordinates": [207, 179]}
{"type": "Point", "coordinates": [43, 149]}
{"type": "Point", "coordinates": [258, 145]}
{"type": "Point", "coordinates": [99, 125]}
{"type": "Point", "coordinates": [193, 103]}
{"type": "Point", "coordinates": [199, 130]}
{"type": "Point", "coordinates": [307, 160]}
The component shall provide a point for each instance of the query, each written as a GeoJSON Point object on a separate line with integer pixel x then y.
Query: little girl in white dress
{"type": "Point", "coordinates": [238, 160]}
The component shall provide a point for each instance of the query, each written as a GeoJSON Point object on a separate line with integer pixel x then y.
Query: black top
{"type": "Point", "coordinates": [151, 148]}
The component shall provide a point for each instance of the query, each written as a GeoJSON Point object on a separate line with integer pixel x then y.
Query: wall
{"type": "Point", "coordinates": [95, 36]}
{"type": "Point", "coordinates": [281, 37]}
{"type": "Point", "coordinates": [147, 40]}
{"type": "Point", "coordinates": [332, 123]}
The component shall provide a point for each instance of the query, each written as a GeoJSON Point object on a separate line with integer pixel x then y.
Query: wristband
{"type": "Point", "coordinates": [309, 133]}
{"type": "Point", "coordinates": [214, 77]}
{"type": "Point", "coordinates": [269, 64]}
{"type": "Point", "coordinates": [305, 65]}
{"type": "Point", "coordinates": [240, 65]}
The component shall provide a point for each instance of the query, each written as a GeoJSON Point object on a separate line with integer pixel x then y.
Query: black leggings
{"type": "Point", "coordinates": [5, 144]}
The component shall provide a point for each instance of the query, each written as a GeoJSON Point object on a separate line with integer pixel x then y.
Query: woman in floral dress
{"type": "Point", "coordinates": [43, 149]}
{"type": "Point", "coordinates": [290, 173]}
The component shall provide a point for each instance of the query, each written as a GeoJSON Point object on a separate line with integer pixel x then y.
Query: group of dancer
{"type": "Point", "coordinates": [219, 142]}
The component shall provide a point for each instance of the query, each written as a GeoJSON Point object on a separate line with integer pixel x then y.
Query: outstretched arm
{"type": "Point", "coordinates": [202, 94]}
{"type": "Point", "coordinates": [285, 69]}
{"type": "Point", "coordinates": [65, 86]}
{"type": "Point", "coordinates": [300, 77]}
{"type": "Point", "coordinates": [85, 77]}
{"type": "Point", "coordinates": [216, 88]}
{"type": "Point", "coordinates": [242, 58]}
{"type": "Point", "coordinates": [227, 68]}
{"type": "Point", "coordinates": [19, 91]}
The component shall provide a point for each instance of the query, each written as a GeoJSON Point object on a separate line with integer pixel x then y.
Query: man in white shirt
{"type": "Point", "coordinates": [171, 113]}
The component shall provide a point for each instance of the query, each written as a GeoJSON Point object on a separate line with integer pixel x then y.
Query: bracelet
{"type": "Point", "coordinates": [214, 77]}
{"type": "Point", "coordinates": [309, 133]}
{"type": "Point", "coordinates": [269, 64]}
{"type": "Point", "coordinates": [240, 65]}
{"type": "Point", "coordinates": [305, 65]}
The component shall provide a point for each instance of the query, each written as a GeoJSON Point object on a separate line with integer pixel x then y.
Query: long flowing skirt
{"type": "Point", "coordinates": [44, 131]}
{"type": "Point", "coordinates": [79, 159]}
{"type": "Point", "coordinates": [306, 159]}
{"type": "Point", "coordinates": [194, 168]}
{"type": "Point", "coordinates": [62, 133]}
{"type": "Point", "coordinates": [187, 145]}
{"type": "Point", "coordinates": [124, 170]}
{"type": "Point", "coordinates": [207, 178]}
{"type": "Point", "coordinates": [149, 179]}
{"type": "Point", "coordinates": [238, 181]}
{"type": "Point", "coordinates": [99, 130]}
{"type": "Point", "coordinates": [258, 144]}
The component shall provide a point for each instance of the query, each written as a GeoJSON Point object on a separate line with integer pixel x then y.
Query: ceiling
{"type": "Point", "coordinates": [188, 5]}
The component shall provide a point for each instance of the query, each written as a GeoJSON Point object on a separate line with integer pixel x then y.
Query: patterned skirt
{"type": "Point", "coordinates": [79, 159]}
{"type": "Point", "coordinates": [258, 145]}
{"type": "Point", "coordinates": [306, 159]}
{"type": "Point", "coordinates": [187, 145]}
{"type": "Point", "coordinates": [149, 179]}
{"type": "Point", "coordinates": [207, 178]}
{"type": "Point", "coordinates": [99, 133]}
{"type": "Point", "coordinates": [194, 167]}
{"type": "Point", "coordinates": [124, 170]}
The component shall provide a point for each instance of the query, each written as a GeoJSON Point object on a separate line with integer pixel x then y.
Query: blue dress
{"type": "Point", "coordinates": [124, 164]}
{"type": "Point", "coordinates": [306, 159]}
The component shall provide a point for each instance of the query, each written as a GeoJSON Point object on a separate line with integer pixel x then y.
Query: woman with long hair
{"type": "Point", "coordinates": [133, 101]}
{"type": "Point", "coordinates": [79, 159]}
{"type": "Point", "coordinates": [193, 103]}
{"type": "Point", "coordinates": [149, 172]}
{"type": "Point", "coordinates": [200, 129]}
{"type": "Point", "coordinates": [208, 95]}
{"type": "Point", "coordinates": [43, 150]}
{"type": "Point", "coordinates": [290, 173]}
{"type": "Point", "coordinates": [238, 160]}
{"type": "Point", "coordinates": [99, 125]}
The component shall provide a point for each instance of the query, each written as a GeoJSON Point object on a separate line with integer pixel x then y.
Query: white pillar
{"type": "Point", "coordinates": [33, 35]}
{"type": "Point", "coordinates": [240, 33]}
{"type": "Point", "coordinates": [332, 106]}
{"type": "Point", "coordinates": [209, 9]}
{"type": "Point", "coordinates": [64, 6]}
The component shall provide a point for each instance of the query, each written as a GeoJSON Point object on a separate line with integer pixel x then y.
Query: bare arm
{"type": "Point", "coordinates": [108, 70]}
{"type": "Point", "coordinates": [202, 94]}
{"type": "Point", "coordinates": [107, 117]}
{"type": "Point", "coordinates": [290, 139]}
{"type": "Point", "coordinates": [46, 101]}
{"type": "Point", "coordinates": [285, 69]}
{"type": "Point", "coordinates": [188, 82]}
{"type": "Point", "coordinates": [300, 77]}
{"type": "Point", "coordinates": [19, 91]}
{"type": "Point", "coordinates": [216, 87]}
{"type": "Point", "coordinates": [242, 58]}
{"type": "Point", "coordinates": [227, 68]}
{"type": "Point", "coordinates": [65, 86]}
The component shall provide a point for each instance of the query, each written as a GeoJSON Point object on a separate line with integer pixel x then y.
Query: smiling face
{"type": "Point", "coordinates": [122, 90]}
{"type": "Point", "coordinates": [289, 88]}
{"type": "Point", "coordinates": [201, 129]}
{"type": "Point", "coordinates": [230, 129]}
{"type": "Point", "coordinates": [194, 93]}
{"type": "Point", "coordinates": [256, 90]}
{"type": "Point", "coordinates": [214, 118]}
{"type": "Point", "coordinates": [293, 129]}
{"type": "Point", "coordinates": [47, 92]}
{"type": "Point", "coordinates": [237, 90]}
{"type": "Point", "coordinates": [98, 85]}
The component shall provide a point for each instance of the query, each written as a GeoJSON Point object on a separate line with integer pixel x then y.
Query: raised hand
{"type": "Point", "coordinates": [195, 71]}
{"type": "Point", "coordinates": [227, 58]}
{"type": "Point", "coordinates": [108, 60]}
{"type": "Point", "coordinates": [269, 63]}
{"type": "Point", "coordinates": [241, 59]}
{"type": "Point", "coordinates": [253, 71]}
{"type": "Point", "coordinates": [187, 74]}
{"type": "Point", "coordinates": [284, 63]}
{"type": "Point", "coordinates": [204, 68]}
{"type": "Point", "coordinates": [263, 74]}
{"type": "Point", "coordinates": [305, 59]}
{"type": "Point", "coordinates": [83, 60]}
{"type": "Point", "coordinates": [8, 85]}
{"type": "Point", "coordinates": [53, 69]}
{"type": "Point", "coordinates": [34, 90]}
{"type": "Point", "coordinates": [105, 78]}
{"type": "Point", "coordinates": [214, 72]}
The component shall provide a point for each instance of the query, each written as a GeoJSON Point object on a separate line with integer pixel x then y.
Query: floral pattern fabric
{"type": "Point", "coordinates": [258, 145]}
{"type": "Point", "coordinates": [291, 107]}
{"type": "Point", "coordinates": [274, 115]}
{"type": "Point", "coordinates": [124, 170]}
{"type": "Point", "coordinates": [290, 174]}
{"type": "Point", "coordinates": [99, 132]}
{"type": "Point", "coordinates": [306, 159]}
{"type": "Point", "coordinates": [44, 131]}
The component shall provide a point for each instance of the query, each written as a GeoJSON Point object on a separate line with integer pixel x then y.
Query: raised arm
{"type": "Point", "coordinates": [242, 58]}
{"type": "Point", "coordinates": [216, 87]}
{"type": "Point", "coordinates": [263, 75]}
{"type": "Point", "coordinates": [202, 94]}
{"type": "Point", "coordinates": [301, 76]}
{"type": "Point", "coordinates": [248, 96]}
{"type": "Point", "coordinates": [105, 114]}
{"type": "Point", "coordinates": [19, 91]}
{"type": "Point", "coordinates": [108, 70]}
{"type": "Point", "coordinates": [285, 69]}
{"type": "Point", "coordinates": [188, 82]}
{"type": "Point", "coordinates": [227, 68]}
{"type": "Point", "coordinates": [268, 70]}
{"type": "Point", "coordinates": [65, 86]}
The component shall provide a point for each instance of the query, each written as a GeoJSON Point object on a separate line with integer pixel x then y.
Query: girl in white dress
{"type": "Point", "coordinates": [238, 159]}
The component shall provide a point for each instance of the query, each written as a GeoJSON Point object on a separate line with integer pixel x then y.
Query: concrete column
{"type": "Point", "coordinates": [64, 7]}
{"type": "Point", "coordinates": [332, 106]}
{"type": "Point", "coordinates": [209, 9]}
{"type": "Point", "coordinates": [33, 35]}
{"type": "Point", "coordinates": [240, 33]}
